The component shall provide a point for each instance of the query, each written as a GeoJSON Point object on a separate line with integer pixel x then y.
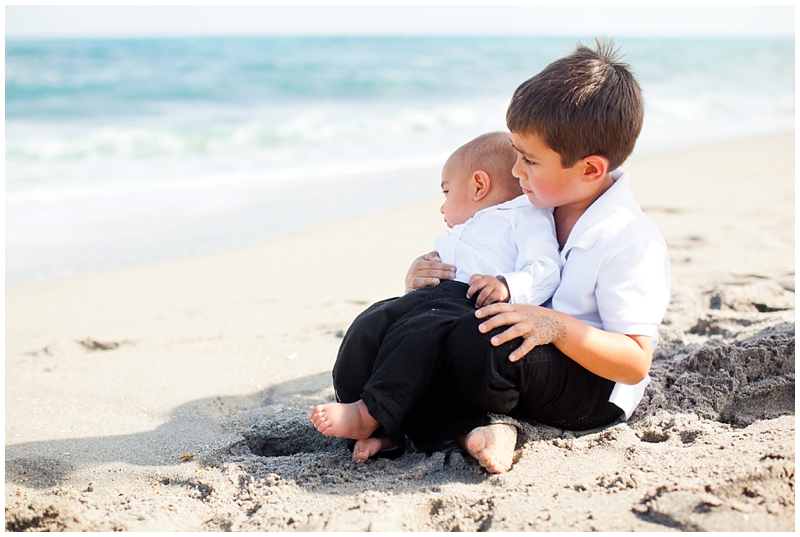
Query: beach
{"type": "Point", "coordinates": [173, 396]}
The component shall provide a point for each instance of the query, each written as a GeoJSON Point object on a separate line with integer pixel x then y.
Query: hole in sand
{"type": "Point", "coordinates": [290, 436]}
{"type": "Point", "coordinates": [763, 308]}
{"type": "Point", "coordinates": [654, 437]}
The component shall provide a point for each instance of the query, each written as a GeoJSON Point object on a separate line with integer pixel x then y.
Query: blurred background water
{"type": "Point", "coordinates": [120, 152]}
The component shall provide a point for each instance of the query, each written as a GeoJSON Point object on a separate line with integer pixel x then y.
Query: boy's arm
{"type": "Point", "coordinates": [427, 270]}
{"type": "Point", "coordinates": [618, 357]}
{"type": "Point", "coordinates": [631, 289]}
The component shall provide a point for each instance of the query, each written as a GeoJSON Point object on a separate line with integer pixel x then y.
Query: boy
{"type": "Point", "coordinates": [583, 361]}
{"type": "Point", "coordinates": [504, 250]}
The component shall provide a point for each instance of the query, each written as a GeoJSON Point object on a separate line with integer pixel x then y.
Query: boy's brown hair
{"type": "Point", "coordinates": [493, 153]}
{"type": "Point", "coordinates": [587, 103]}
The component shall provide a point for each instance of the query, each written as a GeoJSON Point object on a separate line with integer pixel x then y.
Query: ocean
{"type": "Point", "coordinates": [123, 152]}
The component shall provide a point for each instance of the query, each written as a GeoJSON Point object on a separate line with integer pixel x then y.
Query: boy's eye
{"type": "Point", "coordinates": [527, 161]}
{"type": "Point", "coordinates": [445, 192]}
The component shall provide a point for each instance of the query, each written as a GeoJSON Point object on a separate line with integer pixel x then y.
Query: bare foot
{"type": "Point", "coordinates": [364, 449]}
{"type": "Point", "coordinates": [492, 445]}
{"type": "Point", "coordinates": [344, 420]}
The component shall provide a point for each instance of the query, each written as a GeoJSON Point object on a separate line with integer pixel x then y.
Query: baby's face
{"type": "Point", "coordinates": [458, 206]}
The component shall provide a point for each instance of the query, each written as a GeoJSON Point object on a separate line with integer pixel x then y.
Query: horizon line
{"type": "Point", "coordinates": [159, 35]}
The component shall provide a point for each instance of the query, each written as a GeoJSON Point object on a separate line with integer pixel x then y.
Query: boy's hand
{"type": "Point", "coordinates": [624, 358]}
{"type": "Point", "coordinates": [491, 290]}
{"type": "Point", "coordinates": [534, 324]}
{"type": "Point", "coordinates": [428, 270]}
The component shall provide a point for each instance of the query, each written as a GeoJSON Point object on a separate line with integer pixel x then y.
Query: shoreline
{"type": "Point", "coordinates": [172, 396]}
{"type": "Point", "coordinates": [325, 205]}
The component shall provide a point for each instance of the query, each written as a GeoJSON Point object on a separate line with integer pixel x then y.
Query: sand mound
{"type": "Point", "coordinates": [734, 383]}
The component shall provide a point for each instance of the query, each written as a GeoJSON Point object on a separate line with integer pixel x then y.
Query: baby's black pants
{"type": "Point", "coordinates": [394, 348]}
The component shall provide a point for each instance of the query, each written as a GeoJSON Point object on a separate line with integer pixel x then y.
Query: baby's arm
{"type": "Point", "coordinates": [538, 267]}
{"type": "Point", "coordinates": [428, 270]}
{"type": "Point", "coordinates": [489, 289]}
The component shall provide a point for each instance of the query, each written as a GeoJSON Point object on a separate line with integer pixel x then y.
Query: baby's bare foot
{"type": "Point", "coordinates": [344, 420]}
{"type": "Point", "coordinates": [492, 445]}
{"type": "Point", "coordinates": [364, 449]}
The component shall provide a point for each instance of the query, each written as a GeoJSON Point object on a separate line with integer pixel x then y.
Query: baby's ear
{"type": "Point", "coordinates": [481, 184]}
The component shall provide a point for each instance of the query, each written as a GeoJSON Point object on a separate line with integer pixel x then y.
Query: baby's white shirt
{"type": "Point", "coordinates": [514, 240]}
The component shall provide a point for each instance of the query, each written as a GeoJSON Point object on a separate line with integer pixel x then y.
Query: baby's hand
{"type": "Point", "coordinates": [428, 270]}
{"type": "Point", "coordinates": [491, 290]}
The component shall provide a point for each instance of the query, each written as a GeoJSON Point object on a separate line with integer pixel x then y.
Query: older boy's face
{"type": "Point", "coordinates": [458, 206]}
{"type": "Point", "coordinates": [540, 174]}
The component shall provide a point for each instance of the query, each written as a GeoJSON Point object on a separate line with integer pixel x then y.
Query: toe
{"type": "Point", "coordinates": [360, 455]}
{"type": "Point", "coordinates": [362, 451]}
{"type": "Point", "coordinates": [476, 442]}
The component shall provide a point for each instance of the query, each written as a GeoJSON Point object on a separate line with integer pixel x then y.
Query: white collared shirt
{"type": "Point", "coordinates": [515, 240]}
{"type": "Point", "coordinates": [616, 274]}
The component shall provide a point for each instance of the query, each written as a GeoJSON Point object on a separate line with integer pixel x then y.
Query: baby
{"type": "Point", "coordinates": [504, 250]}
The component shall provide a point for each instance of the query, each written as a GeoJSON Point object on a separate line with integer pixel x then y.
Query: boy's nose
{"type": "Point", "coordinates": [515, 172]}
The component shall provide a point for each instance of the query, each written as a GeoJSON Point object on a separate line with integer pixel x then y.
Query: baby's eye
{"type": "Point", "coordinates": [527, 161]}
{"type": "Point", "coordinates": [445, 192]}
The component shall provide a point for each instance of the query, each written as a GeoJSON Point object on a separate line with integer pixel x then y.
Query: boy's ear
{"type": "Point", "coordinates": [595, 168]}
{"type": "Point", "coordinates": [481, 184]}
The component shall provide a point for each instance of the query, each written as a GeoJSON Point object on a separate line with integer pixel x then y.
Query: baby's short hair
{"type": "Point", "coordinates": [587, 103]}
{"type": "Point", "coordinates": [493, 153]}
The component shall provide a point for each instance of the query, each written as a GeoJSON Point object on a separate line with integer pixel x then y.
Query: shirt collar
{"type": "Point", "coordinates": [520, 201]}
{"type": "Point", "coordinates": [594, 221]}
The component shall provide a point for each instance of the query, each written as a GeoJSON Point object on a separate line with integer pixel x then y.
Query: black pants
{"type": "Point", "coordinates": [424, 370]}
{"type": "Point", "coordinates": [475, 377]}
{"type": "Point", "coordinates": [393, 349]}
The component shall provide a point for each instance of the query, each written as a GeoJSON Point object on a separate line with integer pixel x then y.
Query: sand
{"type": "Point", "coordinates": [173, 396]}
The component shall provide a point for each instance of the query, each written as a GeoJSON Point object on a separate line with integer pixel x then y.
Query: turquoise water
{"type": "Point", "coordinates": [120, 152]}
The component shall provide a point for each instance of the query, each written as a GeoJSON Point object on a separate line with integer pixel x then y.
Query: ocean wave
{"type": "Point", "coordinates": [112, 78]}
{"type": "Point", "coordinates": [265, 179]}
{"type": "Point", "coordinates": [336, 126]}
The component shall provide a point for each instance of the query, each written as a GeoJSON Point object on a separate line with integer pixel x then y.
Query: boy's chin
{"type": "Point", "coordinates": [536, 202]}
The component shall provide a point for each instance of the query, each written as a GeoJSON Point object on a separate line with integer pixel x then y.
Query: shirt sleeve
{"type": "Point", "coordinates": [538, 267]}
{"type": "Point", "coordinates": [633, 288]}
